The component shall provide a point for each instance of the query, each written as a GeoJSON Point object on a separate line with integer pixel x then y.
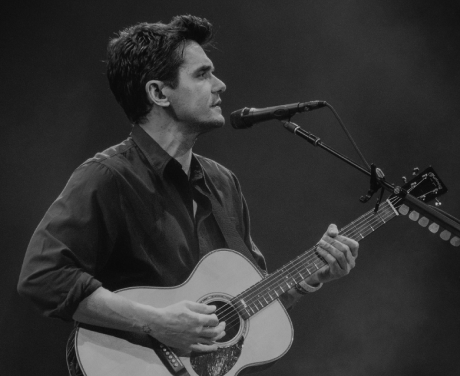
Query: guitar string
{"type": "Point", "coordinates": [288, 270]}
{"type": "Point", "coordinates": [296, 263]}
{"type": "Point", "coordinates": [233, 317]}
{"type": "Point", "coordinates": [299, 264]}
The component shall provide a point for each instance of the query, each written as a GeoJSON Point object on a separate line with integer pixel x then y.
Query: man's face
{"type": "Point", "coordinates": [195, 102]}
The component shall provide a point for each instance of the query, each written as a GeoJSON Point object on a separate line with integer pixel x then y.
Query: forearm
{"type": "Point", "coordinates": [186, 325]}
{"type": "Point", "coordinates": [107, 309]}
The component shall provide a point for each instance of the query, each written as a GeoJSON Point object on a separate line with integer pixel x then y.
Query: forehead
{"type": "Point", "coordinates": [194, 57]}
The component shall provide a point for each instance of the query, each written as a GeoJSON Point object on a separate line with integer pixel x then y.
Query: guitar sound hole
{"type": "Point", "coordinates": [225, 312]}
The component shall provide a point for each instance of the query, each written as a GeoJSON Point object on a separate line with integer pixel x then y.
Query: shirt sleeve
{"type": "Point", "coordinates": [73, 240]}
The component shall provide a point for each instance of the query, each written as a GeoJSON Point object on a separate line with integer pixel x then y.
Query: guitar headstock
{"type": "Point", "coordinates": [426, 186]}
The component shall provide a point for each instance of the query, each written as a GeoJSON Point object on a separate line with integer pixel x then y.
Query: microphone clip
{"type": "Point", "coordinates": [377, 176]}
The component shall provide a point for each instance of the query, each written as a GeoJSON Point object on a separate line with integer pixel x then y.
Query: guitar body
{"type": "Point", "coordinates": [221, 275]}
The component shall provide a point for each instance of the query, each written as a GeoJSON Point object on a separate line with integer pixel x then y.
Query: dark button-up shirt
{"type": "Point", "coordinates": [126, 218]}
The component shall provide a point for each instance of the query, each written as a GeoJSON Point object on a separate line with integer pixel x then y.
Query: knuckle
{"type": "Point", "coordinates": [340, 256]}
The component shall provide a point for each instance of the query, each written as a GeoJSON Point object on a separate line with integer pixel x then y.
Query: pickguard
{"type": "Point", "coordinates": [216, 363]}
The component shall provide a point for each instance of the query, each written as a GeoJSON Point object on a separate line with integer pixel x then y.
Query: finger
{"type": "Point", "coordinates": [212, 332]}
{"type": "Point", "coordinates": [351, 260]}
{"type": "Point", "coordinates": [201, 308]}
{"type": "Point", "coordinates": [347, 246]}
{"type": "Point", "coordinates": [221, 335]}
{"type": "Point", "coordinates": [205, 341]}
{"type": "Point", "coordinates": [199, 347]}
{"type": "Point", "coordinates": [332, 255]}
{"type": "Point", "coordinates": [327, 241]}
{"type": "Point", "coordinates": [352, 244]}
{"type": "Point", "coordinates": [208, 320]}
{"type": "Point", "coordinates": [332, 230]}
{"type": "Point", "coordinates": [335, 268]}
{"type": "Point", "coordinates": [209, 341]}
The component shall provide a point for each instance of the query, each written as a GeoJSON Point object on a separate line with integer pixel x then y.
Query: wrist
{"type": "Point", "coordinates": [146, 319]}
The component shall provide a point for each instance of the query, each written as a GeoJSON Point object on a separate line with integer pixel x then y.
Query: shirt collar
{"type": "Point", "coordinates": [159, 159]}
{"type": "Point", "coordinates": [156, 155]}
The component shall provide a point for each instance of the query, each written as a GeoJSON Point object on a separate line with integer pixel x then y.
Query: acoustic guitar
{"type": "Point", "coordinates": [258, 331]}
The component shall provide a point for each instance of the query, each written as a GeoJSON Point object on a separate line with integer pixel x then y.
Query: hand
{"type": "Point", "coordinates": [188, 326]}
{"type": "Point", "coordinates": [340, 254]}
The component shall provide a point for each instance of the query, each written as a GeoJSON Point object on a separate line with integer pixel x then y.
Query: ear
{"type": "Point", "coordinates": [154, 89]}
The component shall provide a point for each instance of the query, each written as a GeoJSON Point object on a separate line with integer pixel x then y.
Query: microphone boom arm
{"type": "Point", "coordinates": [378, 181]}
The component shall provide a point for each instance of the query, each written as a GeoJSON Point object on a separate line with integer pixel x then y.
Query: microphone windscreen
{"type": "Point", "coordinates": [237, 120]}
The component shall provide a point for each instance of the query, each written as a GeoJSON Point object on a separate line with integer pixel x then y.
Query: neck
{"type": "Point", "coordinates": [173, 140]}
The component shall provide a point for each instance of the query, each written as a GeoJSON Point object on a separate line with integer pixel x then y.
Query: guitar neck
{"type": "Point", "coordinates": [271, 287]}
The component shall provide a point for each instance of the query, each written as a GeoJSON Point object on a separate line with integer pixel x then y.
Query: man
{"type": "Point", "coordinates": [144, 212]}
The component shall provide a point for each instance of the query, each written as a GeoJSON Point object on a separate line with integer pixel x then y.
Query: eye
{"type": "Point", "coordinates": [205, 73]}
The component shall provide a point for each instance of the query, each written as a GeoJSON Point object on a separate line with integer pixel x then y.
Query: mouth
{"type": "Point", "coordinates": [217, 104]}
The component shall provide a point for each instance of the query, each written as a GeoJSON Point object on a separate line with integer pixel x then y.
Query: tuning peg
{"type": "Point", "coordinates": [437, 202]}
{"type": "Point", "coordinates": [404, 209]}
{"type": "Point", "coordinates": [445, 235]}
{"type": "Point", "coordinates": [434, 228]}
{"type": "Point", "coordinates": [404, 179]}
{"type": "Point", "coordinates": [423, 221]}
{"type": "Point", "coordinates": [414, 215]}
{"type": "Point", "coordinates": [415, 171]}
{"type": "Point", "coordinates": [455, 241]}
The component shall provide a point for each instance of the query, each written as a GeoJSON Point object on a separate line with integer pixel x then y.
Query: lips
{"type": "Point", "coordinates": [217, 104]}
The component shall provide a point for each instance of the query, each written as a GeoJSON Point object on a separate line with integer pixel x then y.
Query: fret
{"type": "Point", "coordinates": [241, 307]}
{"type": "Point", "coordinates": [271, 287]}
{"type": "Point", "coordinates": [301, 278]}
{"type": "Point", "coordinates": [310, 271]}
{"type": "Point", "coordinates": [356, 231]}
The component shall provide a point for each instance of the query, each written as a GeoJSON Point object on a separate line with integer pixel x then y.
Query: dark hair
{"type": "Point", "coordinates": [150, 51]}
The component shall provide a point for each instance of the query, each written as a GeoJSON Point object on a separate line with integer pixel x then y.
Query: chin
{"type": "Point", "coordinates": [209, 125]}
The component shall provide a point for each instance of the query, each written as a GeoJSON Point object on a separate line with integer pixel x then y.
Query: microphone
{"type": "Point", "coordinates": [247, 117]}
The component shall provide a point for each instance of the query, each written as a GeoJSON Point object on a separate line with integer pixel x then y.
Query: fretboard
{"type": "Point", "coordinates": [271, 287]}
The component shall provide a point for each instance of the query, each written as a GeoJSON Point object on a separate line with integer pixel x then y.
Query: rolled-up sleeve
{"type": "Point", "coordinates": [73, 241]}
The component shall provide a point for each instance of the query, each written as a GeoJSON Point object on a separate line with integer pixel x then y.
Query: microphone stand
{"type": "Point", "coordinates": [377, 181]}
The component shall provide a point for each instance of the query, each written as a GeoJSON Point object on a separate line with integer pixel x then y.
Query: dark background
{"type": "Point", "coordinates": [390, 69]}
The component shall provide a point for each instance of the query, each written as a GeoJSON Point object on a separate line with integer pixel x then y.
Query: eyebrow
{"type": "Point", "coordinates": [205, 68]}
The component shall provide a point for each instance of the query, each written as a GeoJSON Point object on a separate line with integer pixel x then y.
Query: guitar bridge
{"type": "Point", "coordinates": [170, 360]}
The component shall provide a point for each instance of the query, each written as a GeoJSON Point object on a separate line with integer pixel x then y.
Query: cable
{"type": "Point", "coordinates": [348, 135]}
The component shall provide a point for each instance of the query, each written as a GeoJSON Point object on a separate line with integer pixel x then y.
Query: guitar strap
{"type": "Point", "coordinates": [231, 236]}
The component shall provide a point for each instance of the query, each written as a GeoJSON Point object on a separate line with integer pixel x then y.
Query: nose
{"type": "Point", "coordinates": [219, 86]}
